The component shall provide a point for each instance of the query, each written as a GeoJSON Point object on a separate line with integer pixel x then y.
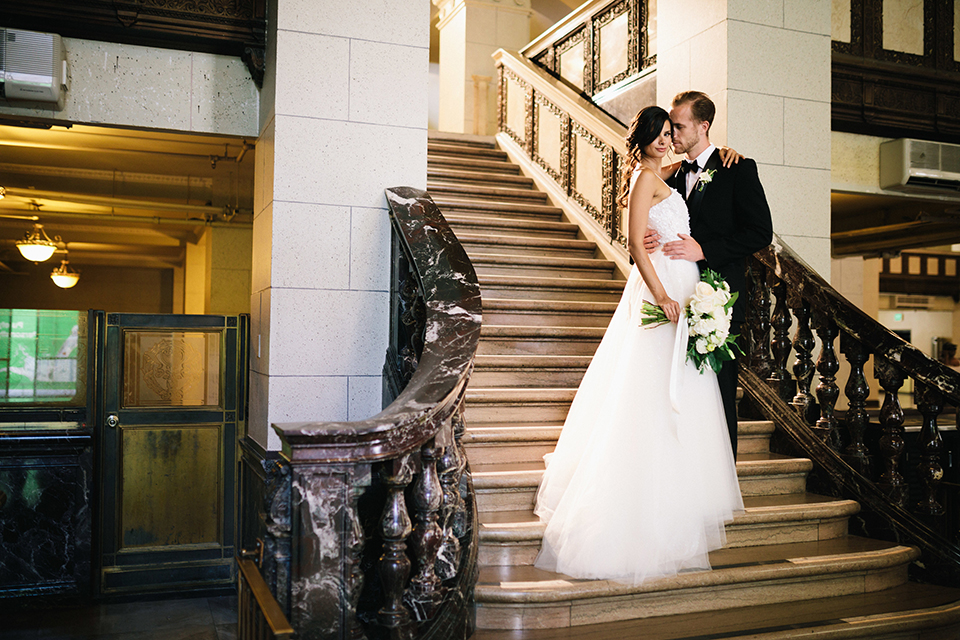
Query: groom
{"type": "Point", "coordinates": [729, 218]}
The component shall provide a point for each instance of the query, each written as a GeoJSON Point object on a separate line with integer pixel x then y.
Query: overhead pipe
{"type": "Point", "coordinates": [128, 203]}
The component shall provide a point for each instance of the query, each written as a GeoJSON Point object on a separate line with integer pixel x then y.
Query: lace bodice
{"type": "Point", "coordinates": [669, 217]}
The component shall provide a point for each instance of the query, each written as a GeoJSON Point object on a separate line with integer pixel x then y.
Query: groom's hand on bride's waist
{"type": "Point", "coordinates": [686, 248]}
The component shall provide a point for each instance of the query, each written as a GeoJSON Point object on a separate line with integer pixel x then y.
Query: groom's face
{"type": "Point", "coordinates": [687, 132]}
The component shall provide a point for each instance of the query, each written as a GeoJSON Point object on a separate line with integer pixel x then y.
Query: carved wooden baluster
{"type": "Point", "coordinates": [891, 420]}
{"type": "Point", "coordinates": [780, 345]}
{"type": "Point", "coordinates": [827, 390]}
{"type": "Point", "coordinates": [857, 391]}
{"type": "Point", "coordinates": [803, 367]}
{"type": "Point", "coordinates": [930, 404]}
{"type": "Point", "coordinates": [395, 527]}
{"type": "Point", "coordinates": [423, 596]}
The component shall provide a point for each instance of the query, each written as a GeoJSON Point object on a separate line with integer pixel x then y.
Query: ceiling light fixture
{"type": "Point", "coordinates": [3, 192]}
{"type": "Point", "coordinates": [36, 246]}
{"type": "Point", "coordinates": [63, 277]}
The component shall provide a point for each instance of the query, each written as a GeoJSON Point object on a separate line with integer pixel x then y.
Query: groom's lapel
{"type": "Point", "coordinates": [695, 199]}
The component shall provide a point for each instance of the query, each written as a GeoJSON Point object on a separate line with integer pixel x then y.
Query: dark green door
{"type": "Point", "coordinates": [171, 397]}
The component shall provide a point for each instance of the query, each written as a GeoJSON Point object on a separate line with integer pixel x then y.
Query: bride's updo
{"type": "Point", "coordinates": [645, 128]}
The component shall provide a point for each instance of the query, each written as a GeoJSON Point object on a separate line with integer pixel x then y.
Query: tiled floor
{"type": "Point", "coordinates": [189, 619]}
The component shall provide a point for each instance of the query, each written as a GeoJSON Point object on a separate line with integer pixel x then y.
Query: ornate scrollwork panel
{"type": "Point", "coordinates": [548, 148]}
{"type": "Point", "coordinates": [621, 15]}
{"type": "Point", "coordinates": [583, 143]}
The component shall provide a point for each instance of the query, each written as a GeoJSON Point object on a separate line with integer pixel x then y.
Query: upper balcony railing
{"type": "Point", "coordinates": [599, 45]}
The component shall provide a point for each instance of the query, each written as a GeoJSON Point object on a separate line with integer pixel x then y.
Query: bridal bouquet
{"type": "Point", "coordinates": [709, 343]}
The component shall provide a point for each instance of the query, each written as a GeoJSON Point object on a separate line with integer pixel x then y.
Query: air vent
{"type": "Point", "coordinates": [912, 302]}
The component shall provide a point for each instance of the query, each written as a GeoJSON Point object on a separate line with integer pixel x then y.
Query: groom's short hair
{"type": "Point", "coordinates": [701, 106]}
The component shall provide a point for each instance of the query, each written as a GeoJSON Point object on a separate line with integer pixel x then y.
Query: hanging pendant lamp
{"type": "Point", "coordinates": [36, 246]}
{"type": "Point", "coordinates": [63, 276]}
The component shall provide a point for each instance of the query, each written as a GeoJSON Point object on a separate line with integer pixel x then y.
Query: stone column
{"type": "Point", "coordinates": [470, 31]}
{"type": "Point", "coordinates": [767, 67]}
{"type": "Point", "coordinates": [343, 115]}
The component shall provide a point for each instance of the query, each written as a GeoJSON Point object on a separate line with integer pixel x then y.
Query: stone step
{"type": "Point", "coordinates": [908, 611]}
{"type": "Point", "coordinates": [508, 442]}
{"type": "Point", "coordinates": [563, 313]}
{"type": "Point", "coordinates": [471, 164]}
{"type": "Point", "coordinates": [543, 266]}
{"type": "Point", "coordinates": [502, 194]}
{"type": "Point", "coordinates": [478, 179]}
{"type": "Point", "coordinates": [442, 148]}
{"type": "Point", "coordinates": [487, 225]}
{"type": "Point", "coordinates": [517, 404]}
{"type": "Point", "coordinates": [470, 140]}
{"type": "Point", "coordinates": [539, 288]}
{"type": "Point", "coordinates": [513, 486]}
{"type": "Point", "coordinates": [505, 340]}
{"type": "Point", "coordinates": [476, 244]}
{"type": "Point", "coordinates": [524, 597]}
{"type": "Point", "coordinates": [514, 537]}
{"type": "Point", "coordinates": [528, 371]}
{"type": "Point", "coordinates": [516, 210]}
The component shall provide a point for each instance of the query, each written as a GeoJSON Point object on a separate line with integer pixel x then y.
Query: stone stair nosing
{"type": "Point", "coordinates": [512, 194]}
{"type": "Point", "coordinates": [480, 152]}
{"type": "Point", "coordinates": [479, 180]}
{"type": "Point", "coordinates": [517, 210]}
{"type": "Point", "coordinates": [532, 312]}
{"type": "Point", "coordinates": [472, 164]}
{"type": "Point", "coordinates": [492, 264]}
{"type": "Point", "coordinates": [512, 227]}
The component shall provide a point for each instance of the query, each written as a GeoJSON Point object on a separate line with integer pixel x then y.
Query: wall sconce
{"type": "Point", "coordinates": [36, 246]}
{"type": "Point", "coordinates": [63, 277]}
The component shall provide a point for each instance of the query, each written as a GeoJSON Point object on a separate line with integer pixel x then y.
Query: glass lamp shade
{"type": "Point", "coordinates": [36, 246]}
{"type": "Point", "coordinates": [63, 277]}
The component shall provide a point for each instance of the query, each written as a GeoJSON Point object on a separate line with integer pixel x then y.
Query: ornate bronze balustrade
{"type": "Point", "coordinates": [854, 456]}
{"type": "Point", "coordinates": [378, 517]}
{"type": "Point", "coordinates": [572, 48]}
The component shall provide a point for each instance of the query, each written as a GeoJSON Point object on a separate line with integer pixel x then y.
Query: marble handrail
{"type": "Point", "coordinates": [854, 456]}
{"type": "Point", "coordinates": [453, 317]}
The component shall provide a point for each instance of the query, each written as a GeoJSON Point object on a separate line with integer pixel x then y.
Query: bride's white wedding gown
{"type": "Point", "coordinates": [636, 490]}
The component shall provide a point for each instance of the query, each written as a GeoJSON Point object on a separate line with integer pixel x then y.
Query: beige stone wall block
{"type": "Point", "coordinates": [756, 126]}
{"type": "Point", "coordinates": [679, 21]}
{"type": "Point", "coordinates": [379, 71]}
{"type": "Point", "coordinates": [229, 291]}
{"type": "Point", "coordinates": [364, 397]}
{"type": "Point", "coordinates": [346, 162]}
{"type": "Point", "coordinates": [855, 160]}
{"type": "Point", "coordinates": [395, 21]}
{"type": "Point", "coordinates": [313, 75]}
{"type": "Point", "coordinates": [453, 79]}
{"type": "Point", "coordinates": [814, 251]}
{"type": "Point", "coordinates": [840, 20]}
{"type": "Point", "coordinates": [799, 199]}
{"type": "Point", "coordinates": [766, 12]}
{"type": "Point", "coordinates": [322, 332]}
{"type": "Point", "coordinates": [805, 127]}
{"type": "Point", "coordinates": [778, 61]}
{"type": "Point", "coordinates": [709, 60]}
{"type": "Point", "coordinates": [261, 259]}
{"type": "Point", "coordinates": [811, 16]}
{"type": "Point", "coordinates": [309, 244]}
{"type": "Point", "coordinates": [370, 234]}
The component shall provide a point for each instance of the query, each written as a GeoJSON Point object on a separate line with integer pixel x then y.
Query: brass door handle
{"type": "Point", "coordinates": [113, 421]}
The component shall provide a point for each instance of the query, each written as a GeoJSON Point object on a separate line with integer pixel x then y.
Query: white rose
{"type": "Point", "coordinates": [701, 345]}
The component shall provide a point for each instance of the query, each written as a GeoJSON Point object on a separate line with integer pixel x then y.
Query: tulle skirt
{"type": "Point", "coordinates": [638, 489]}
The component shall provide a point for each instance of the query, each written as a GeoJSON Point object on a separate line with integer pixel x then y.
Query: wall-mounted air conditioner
{"type": "Point", "coordinates": [912, 302]}
{"type": "Point", "coordinates": [33, 66]}
{"type": "Point", "coordinates": [918, 166]}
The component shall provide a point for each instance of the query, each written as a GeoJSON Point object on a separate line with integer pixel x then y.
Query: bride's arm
{"type": "Point", "coordinates": [639, 207]}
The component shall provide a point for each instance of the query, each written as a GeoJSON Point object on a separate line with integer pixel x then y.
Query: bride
{"type": "Point", "coordinates": [636, 488]}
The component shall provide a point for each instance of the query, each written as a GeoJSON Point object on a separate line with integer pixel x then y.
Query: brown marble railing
{"type": "Point", "coordinates": [345, 555]}
{"type": "Point", "coordinates": [853, 455]}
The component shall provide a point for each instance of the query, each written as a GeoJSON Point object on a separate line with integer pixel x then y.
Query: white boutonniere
{"type": "Point", "coordinates": [706, 177]}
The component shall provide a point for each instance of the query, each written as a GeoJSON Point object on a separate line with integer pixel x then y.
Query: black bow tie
{"type": "Point", "coordinates": [687, 167]}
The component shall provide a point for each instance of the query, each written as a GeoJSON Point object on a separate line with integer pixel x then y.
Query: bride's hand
{"type": "Point", "coordinates": [671, 308]}
{"type": "Point", "coordinates": [728, 156]}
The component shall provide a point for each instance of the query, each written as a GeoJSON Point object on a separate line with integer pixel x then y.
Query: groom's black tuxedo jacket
{"type": "Point", "coordinates": [730, 219]}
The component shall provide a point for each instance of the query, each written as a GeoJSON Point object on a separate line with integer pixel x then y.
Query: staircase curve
{"type": "Point", "coordinates": [790, 568]}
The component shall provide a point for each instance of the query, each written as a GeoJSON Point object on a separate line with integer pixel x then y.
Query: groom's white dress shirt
{"type": "Point", "coordinates": [701, 160]}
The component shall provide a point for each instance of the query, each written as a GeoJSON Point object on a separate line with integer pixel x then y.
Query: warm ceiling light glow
{"type": "Point", "coordinates": [63, 277]}
{"type": "Point", "coordinates": [36, 246]}
{"type": "Point", "coordinates": [3, 192]}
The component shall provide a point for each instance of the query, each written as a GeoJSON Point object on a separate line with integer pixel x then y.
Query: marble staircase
{"type": "Point", "coordinates": [547, 297]}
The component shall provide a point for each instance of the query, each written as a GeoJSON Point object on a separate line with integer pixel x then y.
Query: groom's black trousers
{"type": "Point", "coordinates": [728, 381]}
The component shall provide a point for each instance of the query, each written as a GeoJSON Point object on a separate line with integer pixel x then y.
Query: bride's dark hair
{"type": "Point", "coordinates": [645, 128]}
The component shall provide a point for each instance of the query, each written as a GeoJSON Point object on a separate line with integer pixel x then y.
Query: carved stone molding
{"type": "Point", "coordinates": [582, 136]}
{"type": "Point", "coordinates": [541, 103]}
